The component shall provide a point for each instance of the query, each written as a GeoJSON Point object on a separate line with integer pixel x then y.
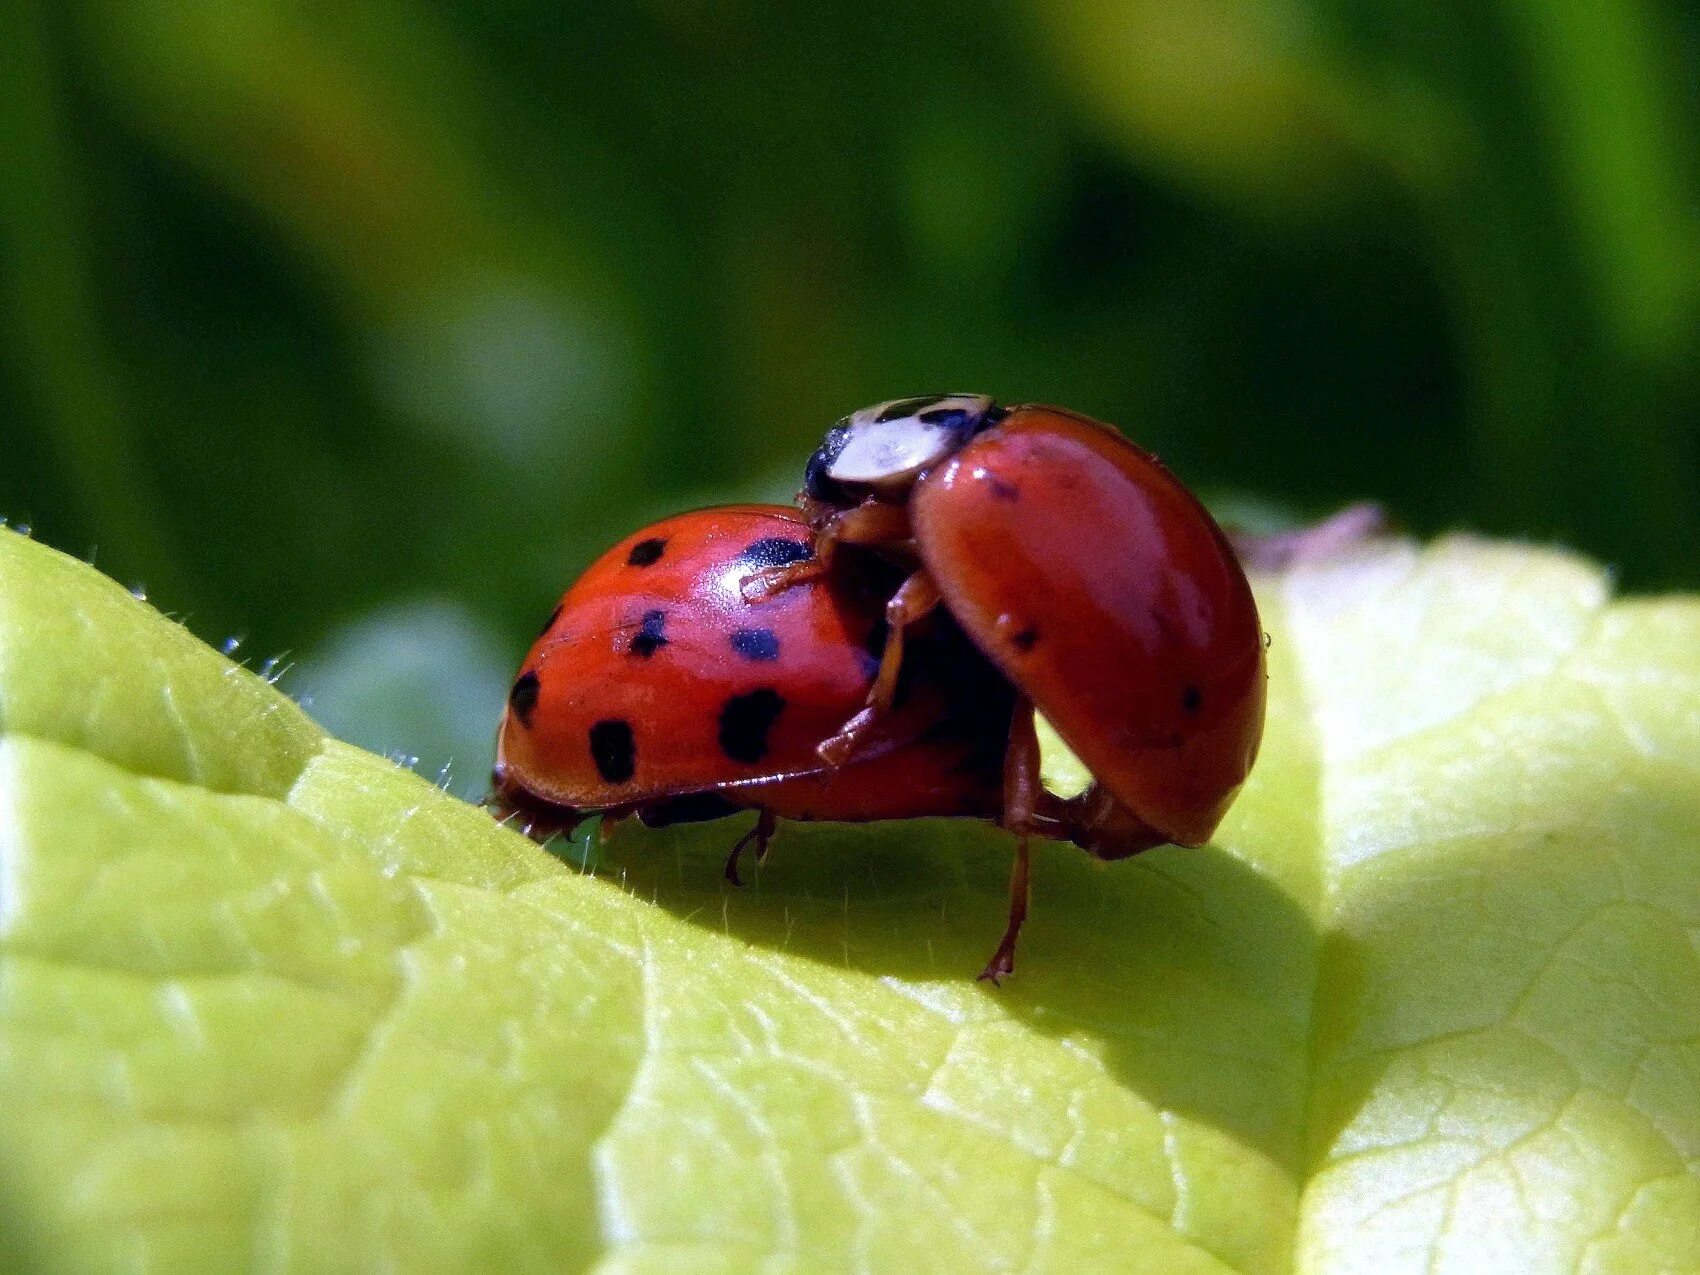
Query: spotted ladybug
{"type": "Point", "coordinates": [1084, 571]}
{"type": "Point", "coordinates": [658, 689]}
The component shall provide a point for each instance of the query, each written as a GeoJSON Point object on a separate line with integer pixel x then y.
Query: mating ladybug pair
{"type": "Point", "coordinates": [879, 651]}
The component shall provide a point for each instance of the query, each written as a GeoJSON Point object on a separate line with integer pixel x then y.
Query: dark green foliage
{"type": "Point", "coordinates": [309, 308]}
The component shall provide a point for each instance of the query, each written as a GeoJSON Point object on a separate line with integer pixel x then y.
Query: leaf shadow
{"type": "Point", "coordinates": [1189, 973]}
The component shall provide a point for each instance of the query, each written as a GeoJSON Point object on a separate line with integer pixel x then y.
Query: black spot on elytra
{"type": "Point", "coordinates": [1192, 699]}
{"type": "Point", "coordinates": [1002, 488]}
{"type": "Point", "coordinates": [523, 698]}
{"type": "Point", "coordinates": [613, 750]}
{"type": "Point", "coordinates": [1025, 640]}
{"type": "Point", "coordinates": [775, 551]}
{"type": "Point", "coordinates": [646, 553]}
{"type": "Point", "coordinates": [906, 407]}
{"type": "Point", "coordinates": [550, 622]}
{"type": "Point", "coordinates": [745, 722]}
{"type": "Point", "coordinates": [755, 644]}
{"type": "Point", "coordinates": [650, 636]}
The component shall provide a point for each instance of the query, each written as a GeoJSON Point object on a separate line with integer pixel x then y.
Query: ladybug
{"type": "Point", "coordinates": [1081, 568]}
{"type": "Point", "coordinates": [659, 689]}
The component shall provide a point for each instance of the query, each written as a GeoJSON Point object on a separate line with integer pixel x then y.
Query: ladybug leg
{"type": "Point", "coordinates": [1103, 827]}
{"type": "Point", "coordinates": [540, 820]}
{"type": "Point", "coordinates": [872, 522]}
{"type": "Point", "coordinates": [837, 749]}
{"type": "Point", "coordinates": [1002, 964]}
{"type": "Point", "coordinates": [761, 834]}
{"type": "Point", "coordinates": [869, 523]}
{"type": "Point", "coordinates": [1021, 793]}
{"type": "Point", "coordinates": [915, 598]}
{"type": "Point", "coordinates": [766, 821]}
{"type": "Point", "coordinates": [771, 581]}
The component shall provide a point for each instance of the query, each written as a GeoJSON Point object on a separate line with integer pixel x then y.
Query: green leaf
{"type": "Point", "coordinates": [1060, 771]}
{"type": "Point", "coordinates": [1431, 999]}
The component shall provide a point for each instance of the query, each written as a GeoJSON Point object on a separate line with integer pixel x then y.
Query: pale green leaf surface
{"type": "Point", "coordinates": [1431, 1001]}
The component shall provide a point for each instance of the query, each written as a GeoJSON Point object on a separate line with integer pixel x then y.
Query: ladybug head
{"type": "Point", "coordinates": [883, 449]}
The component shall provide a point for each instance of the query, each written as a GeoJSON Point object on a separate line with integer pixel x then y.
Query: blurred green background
{"type": "Point", "coordinates": [358, 329]}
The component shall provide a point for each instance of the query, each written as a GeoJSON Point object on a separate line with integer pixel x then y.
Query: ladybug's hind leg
{"type": "Point", "coordinates": [916, 598]}
{"type": "Point", "coordinates": [761, 834]}
{"type": "Point", "coordinates": [1021, 793]}
{"type": "Point", "coordinates": [1103, 827]}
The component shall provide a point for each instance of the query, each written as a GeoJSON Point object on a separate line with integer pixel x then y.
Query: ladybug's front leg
{"type": "Point", "coordinates": [915, 598]}
{"type": "Point", "coordinates": [1021, 796]}
{"type": "Point", "coordinates": [869, 523]}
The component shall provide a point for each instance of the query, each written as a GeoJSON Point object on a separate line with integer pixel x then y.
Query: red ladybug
{"type": "Point", "coordinates": [659, 689]}
{"type": "Point", "coordinates": [1086, 573]}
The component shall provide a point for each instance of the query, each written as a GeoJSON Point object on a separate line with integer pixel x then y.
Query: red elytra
{"type": "Point", "coordinates": [659, 689]}
{"type": "Point", "coordinates": [1108, 595]}
{"type": "Point", "coordinates": [1089, 575]}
